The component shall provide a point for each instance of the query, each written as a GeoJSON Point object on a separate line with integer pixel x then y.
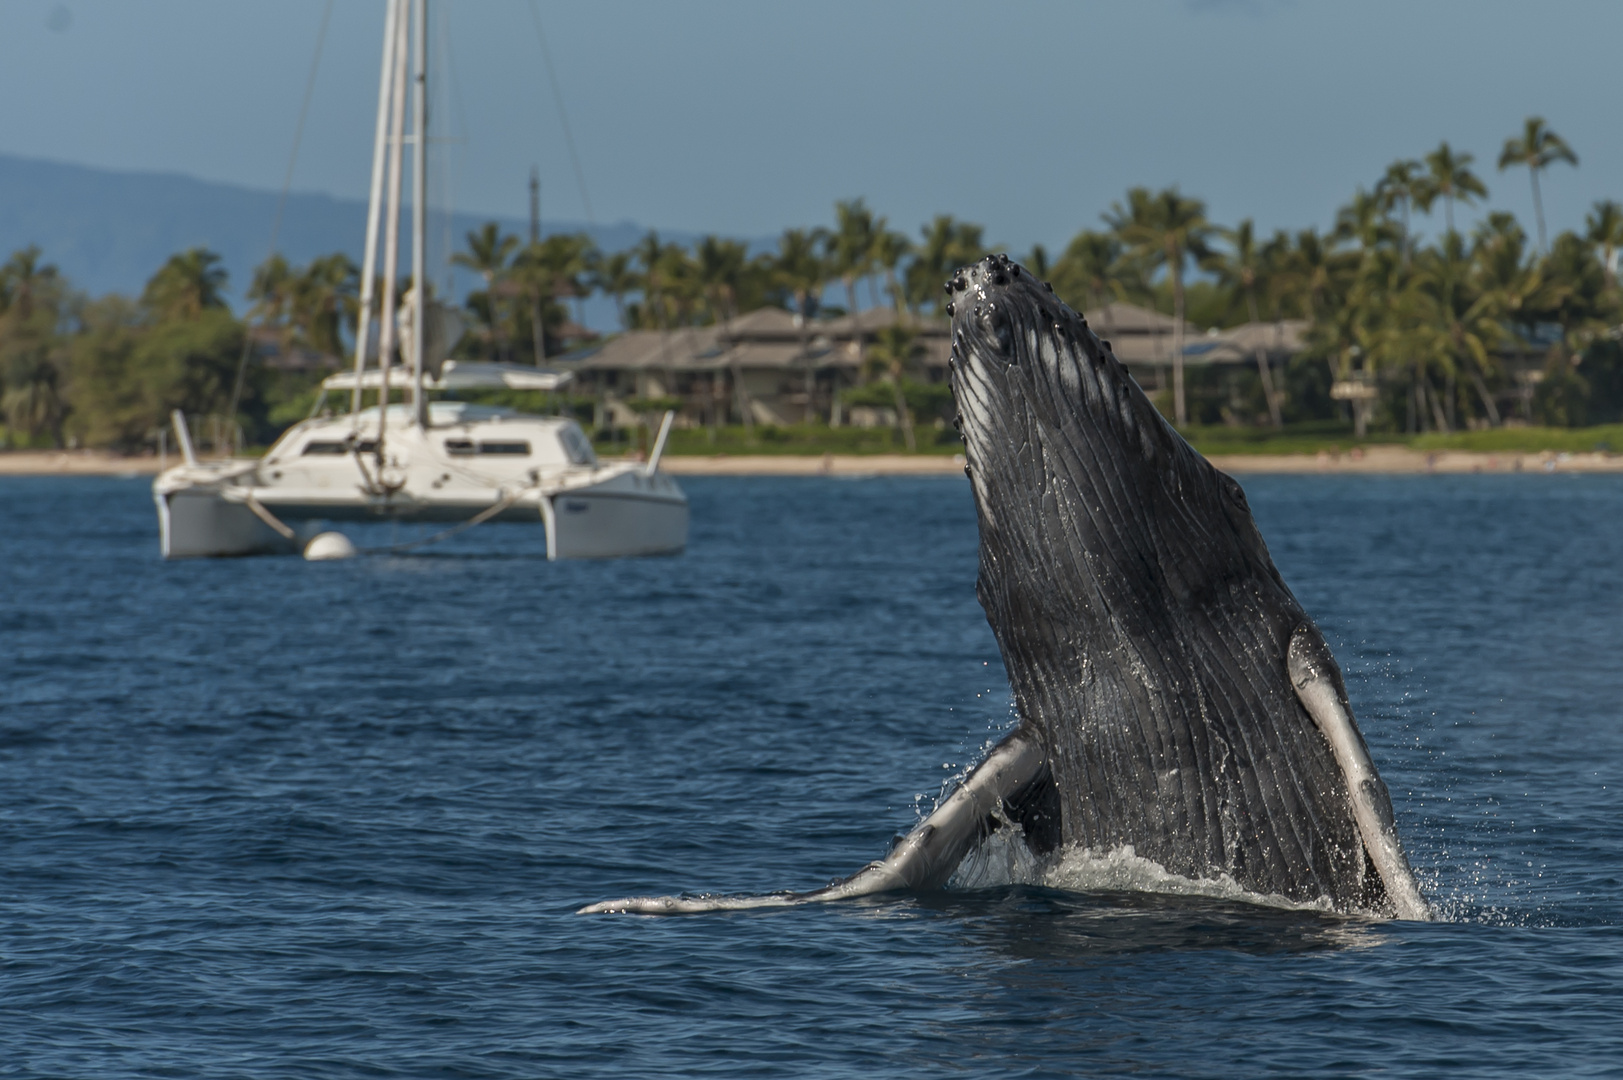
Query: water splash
{"type": "Point", "coordinates": [1003, 860]}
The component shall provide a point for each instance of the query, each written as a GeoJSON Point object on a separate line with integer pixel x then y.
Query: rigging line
{"type": "Point", "coordinates": [563, 119]}
{"type": "Point", "coordinates": [450, 164]}
{"type": "Point", "coordinates": [287, 185]}
{"type": "Point", "coordinates": [298, 130]}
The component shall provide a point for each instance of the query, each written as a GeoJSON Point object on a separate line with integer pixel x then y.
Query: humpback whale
{"type": "Point", "coordinates": [1175, 702]}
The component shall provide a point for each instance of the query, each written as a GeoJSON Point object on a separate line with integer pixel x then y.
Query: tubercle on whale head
{"type": "Point", "coordinates": [1020, 357]}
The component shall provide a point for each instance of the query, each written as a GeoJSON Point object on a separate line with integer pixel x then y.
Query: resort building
{"type": "Point", "coordinates": [771, 367]}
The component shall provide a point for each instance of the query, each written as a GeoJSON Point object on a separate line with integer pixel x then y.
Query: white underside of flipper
{"type": "Point", "coordinates": [923, 859]}
{"type": "Point", "coordinates": [1313, 674]}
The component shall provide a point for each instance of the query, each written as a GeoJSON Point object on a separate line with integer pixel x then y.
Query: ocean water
{"type": "Point", "coordinates": [263, 818]}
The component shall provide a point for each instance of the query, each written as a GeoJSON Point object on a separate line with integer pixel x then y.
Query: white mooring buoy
{"type": "Point", "coordinates": [328, 545]}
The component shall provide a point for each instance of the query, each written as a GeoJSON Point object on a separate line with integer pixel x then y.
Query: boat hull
{"type": "Point", "coordinates": [608, 524]}
{"type": "Point", "coordinates": [616, 519]}
{"type": "Point", "coordinates": [200, 523]}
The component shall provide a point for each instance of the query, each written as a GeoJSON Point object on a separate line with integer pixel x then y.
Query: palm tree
{"type": "Point", "coordinates": [680, 286]}
{"type": "Point", "coordinates": [650, 254]}
{"type": "Point", "coordinates": [1603, 227]}
{"type": "Point", "coordinates": [1581, 305]}
{"type": "Point", "coordinates": [1365, 220]}
{"type": "Point", "coordinates": [894, 349]}
{"type": "Point", "coordinates": [186, 286]}
{"type": "Point", "coordinates": [1314, 274]}
{"type": "Point", "coordinates": [1452, 178]}
{"type": "Point", "coordinates": [1405, 186]}
{"type": "Point", "coordinates": [1538, 148]}
{"type": "Point", "coordinates": [1085, 275]}
{"type": "Point", "coordinates": [31, 360]}
{"type": "Point", "coordinates": [850, 247]}
{"type": "Point", "coordinates": [326, 302]}
{"type": "Point", "coordinates": [1166, 229]}
{"type": "Point", "coordinates": [720, 266]}
{"type": "Point", "coordinates": [948, 244]}
{"type": "Point", "coordinates": [614, 275]}
{"type": "Point", "coordinates": [1036, 261]}
{"type": "Point", "coordinates": [1500, 265]}
{"type": "Point", "coordinates": [1240, 270]}
{"type": "Point", "coordinates": [489, 254]}
{"type": "Point", "coordinates": [21, 279]}
{"type": "Point", "coordinates": [889, 249]}
{"type": "Point", "coordinates": [272, 292]}
{"type": "Point", "coordinates": [801, 271]}
{"type": "Point", "coordinates": [1457, 324]}
{"type": "Point", "coordinates": [549, 270]}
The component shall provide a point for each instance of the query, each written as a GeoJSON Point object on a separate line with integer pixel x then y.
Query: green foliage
{"type": "Point", "coordinates": [186, 286]}
{"type": "Point", "coordinates": [31, 353]}
{"type": "Point", "coordinates": [112, 404]}
{"type": "Point", "coordinates": [654, 406]}
{"type": "Point", "coordinates": [1562, 396]}
{"type": "Point", "coordinates": [189, 364]}
{"type": "Point", "coordinates": [1336, 437]}
{"type": "Point", "coordinates": [926, 400]}
{"type": "Point", "coordinates": [1451, 332]}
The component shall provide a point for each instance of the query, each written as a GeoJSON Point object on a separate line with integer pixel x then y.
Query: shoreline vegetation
{"type": "Point", "coordinates": [1437, 344]}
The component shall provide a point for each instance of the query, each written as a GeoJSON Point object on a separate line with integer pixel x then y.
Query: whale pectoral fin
{"type": "Point", "coordinates": [1319, 687]}
{"type": "Point", "coordinates": [1014, 777]}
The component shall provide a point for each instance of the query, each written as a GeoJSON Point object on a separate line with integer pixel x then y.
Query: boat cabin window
{"type": "Point", "coordinates": [467, 447]}
{"type": "Point", "coordinates": [576, 446]}
{"type": "Point", "coordinates": [335, 447]}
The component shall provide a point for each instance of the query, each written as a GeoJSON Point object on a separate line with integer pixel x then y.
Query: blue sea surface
{"type": "Point", "coordinates": [266, 818]}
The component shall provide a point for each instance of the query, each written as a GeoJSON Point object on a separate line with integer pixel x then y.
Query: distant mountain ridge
{"type": "Point", "coordinates": [109, 230]}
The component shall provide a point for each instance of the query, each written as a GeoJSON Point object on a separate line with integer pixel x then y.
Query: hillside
{"type": "Point", "coordinates": [109, 230]}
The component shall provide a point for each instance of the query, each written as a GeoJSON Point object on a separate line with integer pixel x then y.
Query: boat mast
{"type": "Point", "coordinates": [388, 331]}
{"type": "Point", "coordinates": [374, 204]}
{"type": "Point", "coordinates": [419, 216]}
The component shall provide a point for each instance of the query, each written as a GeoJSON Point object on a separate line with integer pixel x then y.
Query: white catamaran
{"type": "Point", "coordinates": [426, 461]}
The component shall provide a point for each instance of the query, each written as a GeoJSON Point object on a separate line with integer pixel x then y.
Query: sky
{"type": "Point", "coordinates": [743, 118]}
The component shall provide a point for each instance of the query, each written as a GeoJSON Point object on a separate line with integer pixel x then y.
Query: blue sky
{"type": "Point", "coordinates": [743, 118]}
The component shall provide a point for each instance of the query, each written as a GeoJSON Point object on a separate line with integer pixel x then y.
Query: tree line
{"type": "Point", "coordinates": [1437, 334]}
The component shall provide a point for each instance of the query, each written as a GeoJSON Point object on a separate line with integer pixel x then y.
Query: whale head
{"type": "Point", "coordinates": [1069, 457]}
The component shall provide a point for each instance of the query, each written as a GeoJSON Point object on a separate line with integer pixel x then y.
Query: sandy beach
{"type": "Point", "coordinates": [1393, 460]}
{"type": "Point", "coordinates": [78, 463]}
{"type": "Point", "coordinates": [1400, 460]}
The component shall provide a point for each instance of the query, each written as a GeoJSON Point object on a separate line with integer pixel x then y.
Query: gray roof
{"type": "Point", "coordinates": [768, 337]}
{"type": "Point", "coordinates": [1118, 317]}
{"type": "Point", "coordinates": [1239, 344]}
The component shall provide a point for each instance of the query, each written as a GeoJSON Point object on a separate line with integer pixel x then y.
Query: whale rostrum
{"type": "Point", "coordinates": [1174, 699]}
